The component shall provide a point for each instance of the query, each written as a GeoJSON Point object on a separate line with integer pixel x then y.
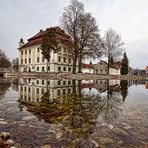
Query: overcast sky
{"type": "Point", "coordinates": [24, 18]}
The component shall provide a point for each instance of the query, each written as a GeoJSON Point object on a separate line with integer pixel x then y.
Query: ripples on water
{"type": "Point", "coordinates": [71, 113]}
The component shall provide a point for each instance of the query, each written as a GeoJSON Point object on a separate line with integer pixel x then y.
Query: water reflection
{"type": "Point", "coordinates": [74, 113]}
{"type": "Point", "coordinates": [78, 105]}
{"type": "Point", "coordinates": [4, 87]}
{"type": "Point", "coordinates": [53, 100]}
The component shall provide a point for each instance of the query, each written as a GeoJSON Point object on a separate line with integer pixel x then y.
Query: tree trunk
{"type": "Point", "coordinates": [80, 63]}
{"type": "Point", "coordinates": [74, 87]}
{"type": "Point", "coordinates": [47, 66]}
{"type": "Point", "coordinates": [74, 64]}
{"type": "Point", "coordinates": [108, 65]}
{"type": "Point", "coordinates": [79, 88]}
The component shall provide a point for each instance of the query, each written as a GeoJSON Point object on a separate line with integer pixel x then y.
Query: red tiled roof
{"type": "Point", "coordinates": [87, 85]}
{"type": "Point", "coordinates": [89, 66]}
{"type": "Point", "coordinates": [37, 39]}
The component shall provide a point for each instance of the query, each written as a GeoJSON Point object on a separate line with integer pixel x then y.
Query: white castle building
{"type": "Point", "coordinates": [32, 60]}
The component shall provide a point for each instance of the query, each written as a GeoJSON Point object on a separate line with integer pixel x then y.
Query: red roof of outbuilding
{"type": "Point", "coordinates": [89, 66]}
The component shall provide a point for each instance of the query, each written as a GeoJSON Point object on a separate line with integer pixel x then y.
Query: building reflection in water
{"type": "Point", "coordinates": [77, 105]}
{"type": "Point", "coordinates": [110, 94]}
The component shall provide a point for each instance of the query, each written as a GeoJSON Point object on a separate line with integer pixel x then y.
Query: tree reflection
{"type": "Point", "coordinates": [4, 86]}
{"type": "Point", "coordinates": [124, 89]}
{"type": "Point", "coordinates": [79, 113]}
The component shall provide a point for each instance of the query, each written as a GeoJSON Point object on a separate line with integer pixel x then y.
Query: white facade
{"type": "Point", "coordinates": [32, 90]}
{"type": "Point", "coordinates": [102, 68]}
{"type": "Point", "coordinates": [87, 70]}
{"type": "Point", "coordinates": [31, 59]}
{"type": "Point", "coordinates": [114, 71]}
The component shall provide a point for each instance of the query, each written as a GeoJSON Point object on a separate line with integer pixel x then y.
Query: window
{"type": "Point", "coordinates": [24, 88]}
{"type": "Point", "coordinates": [69, 90]}
{"type": "Point", "coordinates": [59, 68]}
{"type": "Point", "coordinates": [29, 99]}
{"type": "Point", "coordinates": [25, 61]}
{"type": "Point", "coordinates": [25, 51]}
{"type": "Point", "coordinates": [64, 59]}
{"type": "Point", "coordinates": [69, 82]}
{"type": "Point", "coordinates": [59, 59]}
{"type": "Point", "coordinates": [21, 52]}
{"type": "Point", "coordinates": [69, 60]}
{"type": "Point", "coordinates": [64, 49]}
{"type": "Point", "coordinates": [101, 63]}
{"type": "Point", "coordinates": [37, 90]}
{"type": "Point", "coordinates": [37, 100]}
{"type": "Point", "coordinates": [37, 68]}
{"type": "Point", "coordinates": [64, 68]}
{"type": "Point", "coordinates": [96, 71]}
{"type": "Point", "coordinates": [59, 82]}
{"type": "Point", "coordinates": [28, 89]}
{"type": "Point", "coordinates": [43, 68]}
{"type": "Point", "coordinates": [59, 92]}
{"type": "Point", "coordinates": [37, 81]}
{"type": "Point", "coordinates": [29, 60]}
{"type": "Point", "coordinates": [42, 82]}
{"type": "Point", "coordinates": [48, 68]}
{"type": "Point", "coordinates": [43, 59]}
{"type": "Point", "coordinates": [33, 67]}
{"type": "Point", "coordinates": [69, 69]}
{"type": "Point", "coordinates": [21, 88]}
{"type": "Point", "coordinates": [38, 59]}
{"type": "Point", "coordinates": [101, 70]}
{"type": "Point", "coordinates": [38, 50]}
{"type": "Point", "coordinates": [64, 91]}
{"type": "Point", "coordinates": [64, 82]}
{"type": "Point", "coordinates": [29, 51]}
{"type": "Point", "coordinates": [42, 91]}
{"type": "Point", "coordinates": [21, 61]}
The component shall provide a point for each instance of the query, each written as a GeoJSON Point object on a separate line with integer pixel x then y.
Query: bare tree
{"type": "Point", "coordinates": [112, 45]}
{"type": "Point", "coordinates": [82, 29]}
{"type": "Point", "coordinates": [89, 40]}
{"type": "Point", "coordinates": [4, 61]}
{"type": "Point", "coordinates": [15, 64]}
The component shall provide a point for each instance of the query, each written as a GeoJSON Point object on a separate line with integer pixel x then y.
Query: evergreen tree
{"type": "Point", "coordinates": [124, 89]}
{"type": "Point", "coordinates": [124, 69]}
{"type": "Point", "coordinates": [49, 43]}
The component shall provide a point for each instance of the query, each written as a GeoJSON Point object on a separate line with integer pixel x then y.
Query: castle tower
{"type": "Point", "coordinates": [21, 43]}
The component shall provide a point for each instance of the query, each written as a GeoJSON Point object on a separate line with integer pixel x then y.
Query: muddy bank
{"type": "Point", "coordinates": [78, 76]}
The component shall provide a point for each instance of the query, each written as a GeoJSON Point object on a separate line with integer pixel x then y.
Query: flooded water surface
{"type": "Point", "coordinates": [78, 114]}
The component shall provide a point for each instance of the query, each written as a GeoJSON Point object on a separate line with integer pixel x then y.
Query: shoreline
{"type": "Point", "coordinates": [77, 76]}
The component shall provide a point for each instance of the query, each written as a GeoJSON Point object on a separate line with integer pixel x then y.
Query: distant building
{"type": "Point", "coordinates": [31, 58]}
{"type": "Point", "coordinates": [139, 72]}
{"type": "Point", "coordinates": [87, 68]}
{"type": "Point", "coordinates": [102, 68]}
{"type": "Point", "coordinates": [147, 70]}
